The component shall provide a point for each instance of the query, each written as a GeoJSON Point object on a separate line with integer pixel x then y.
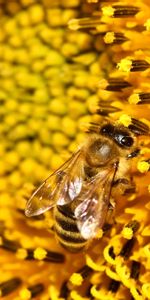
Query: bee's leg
{"type": "Point", "coordinates": [109, 221]}
{"type": "Point", "coordinates": [123, 186]}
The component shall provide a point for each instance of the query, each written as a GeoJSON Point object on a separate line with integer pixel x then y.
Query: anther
{"type": "Point", "coordinates": [54, 257]}
{"type": "Point", "coordinates": [113, 84]}
{"type": "Point", "coordinates": [114, 286]}
{"type": "Point", "coordinates": [115, 38]}
{"type": "Point", "coordinates": [106, 109]}
{"type": "Point", "coordinates": [120, 11]}
{"type": "Point", "coordinates": [36, 289]}
{"type": "Point", "coordinates": [9, 286]}
{"type": "Point", "coordinates": [130, 65]}
{"type": "Point", "coordinates": [84, 23]}
{"type": "Point", "coordinates": [139, 65]}
{"type": "Point", "coordinates": [127, 248]}
{"type": "Point", "coordinates": [64, 291]}
{"type": "Point", "coordinates": [135, 269]}
{"type": "Point", "coordinates": [138, 127]}
{"type": "Point", "coordinates": [144, 98]}
{"type": "Point", "coordinates": [85, 271]}
{"type": "Point", "coordinates": [9, 245]}
{"type": "Point", "coordinates": [134, 225]}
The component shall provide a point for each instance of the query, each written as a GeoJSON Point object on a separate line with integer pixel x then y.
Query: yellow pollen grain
{"type": "Point", "coordinates": [108, 11]}
{"type": "Point", "coordinates": [143, 166]}
{"type": "Point", "coordinates": [21, 253]}
{"type": "Point", "coordinates": [109, 37]}
{"type": "Point", "coordinates": [95, 266]}
{"type": "Point", "coordinates": [134, 99]}
{"type": "Point", "coordinates": [76, 279]}
{"type": "Point", "coordinates": [147, 25]}
{"type": "Point", "coordinates": [127, 233]}
{"type": "Point", "coordinates": [149, 188]}
{"type": "Point", "coordinates": [125, 120]}
{"type": "Point", "coordinates": [25, 294]}
{"type": "Point", "coordinates": [125, 65]}
{"type": "Point", "coordinates": [40, 253]}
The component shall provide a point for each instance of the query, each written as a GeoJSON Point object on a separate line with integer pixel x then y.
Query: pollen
{"type": "Point", "coordinates": [134, 99]}
{"type": "Point", "coordinates": [109, 37]}
{"type": "Point", "coordinates": [127, 233]}
{"type": "Point", "coordinates": [25, 294]}
{"type": "Point", "coordinates": [125, 120]}
{"type": "Point", "coordinates": [143, 166]}
{"type": "Point", "coordinates": [63, 65]}
{"type": "Point", "coordinates": [76, 279]}
{"type": "Point", "coordinates": [125, 65]}
{"type": "Point", "coordinates": [40, 253]}
{"type": "Point", "coordinates": [21, 253]}
{"type": "Point", "coordinates": [108, 11]}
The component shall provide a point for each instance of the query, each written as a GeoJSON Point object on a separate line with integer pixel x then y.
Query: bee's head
{"type": "Point", "coordinates": [119, 134]}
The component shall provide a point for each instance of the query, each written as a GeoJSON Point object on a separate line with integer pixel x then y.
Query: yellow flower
{"type": "Point", "coordinates": [64, 64]}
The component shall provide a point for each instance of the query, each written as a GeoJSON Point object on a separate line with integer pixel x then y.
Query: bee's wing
{"type": "Point", "coordinates": [93, 203]}
{"type": "Point", "coordinates": [59, 188]}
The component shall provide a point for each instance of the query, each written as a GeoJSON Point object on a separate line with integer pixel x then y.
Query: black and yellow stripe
{"type": "Point", "coordinates": [67, 230]}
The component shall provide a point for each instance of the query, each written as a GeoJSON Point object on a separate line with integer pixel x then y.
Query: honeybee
{"type": "Point", "coordinates": [80, 190]}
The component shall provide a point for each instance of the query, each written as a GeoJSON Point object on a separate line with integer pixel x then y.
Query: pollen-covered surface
{"type": "Point", "coordinates": [53, 77]}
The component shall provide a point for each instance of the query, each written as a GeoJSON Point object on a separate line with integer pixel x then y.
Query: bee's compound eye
{"type": "Point", "coordinates": [123, 140]}
{"type": "Point", "coordinates": [107, 130]}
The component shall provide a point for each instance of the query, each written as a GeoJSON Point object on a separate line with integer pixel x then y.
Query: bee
{"type": "Point", "coordinates": [80, 191]}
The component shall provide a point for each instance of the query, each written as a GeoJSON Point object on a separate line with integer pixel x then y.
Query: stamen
{"type": "Point", "coordinates": [50, 256]}
{"type": "Point", "coordinates": [113, 84]}
{"type": "Point", "coordinates": [84, 23]}
{"type": "Point", "coordinates": [106, 108]}
{"type": "Point", "coordinates": [138, 127]}
{"type": "Point", "coordinates": [9, 286]}
{"type": "Point", "coordinates": [134, 225]}
{"type": "Point", "coordinates": [139, 65]}
{"type": "Point", "coordinates": [36, 289]}
{"type": "Point", "coordinates": [120, 11]}
{"type": "Point", "coordinates": [111, 252]}
{"type": "Point", "coordinates": [129, 65]}
{"type": "Point", "coordinates": [127, 248]}
{"type": "Point", "coordinates": [144, 98]}
{"type": "Point", "coordinates": [64, 291]}
{"type": "Point", "coordinates": [9, 245]}
{"type": "Point", "coordinates": [114, 38]}
{"type": "Point", "coordinates": [114, 286]}
{"type": "Point", "coordinates": [85, 271]}
{"type": "Point", "coordinates": [135, 269]}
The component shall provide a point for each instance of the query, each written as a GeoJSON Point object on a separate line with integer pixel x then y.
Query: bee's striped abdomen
{"type": "Point", "coordinates": [67, 230]}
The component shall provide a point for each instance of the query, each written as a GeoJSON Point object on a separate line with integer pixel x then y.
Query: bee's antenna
{"type": "Point", "coordinates": [134, 153]}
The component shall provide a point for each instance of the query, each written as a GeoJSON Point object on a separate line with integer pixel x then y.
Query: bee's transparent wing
{"type": "Point", "coordinates": [93, 203]}
{"type": "Point", "coordinates": [59, 188]}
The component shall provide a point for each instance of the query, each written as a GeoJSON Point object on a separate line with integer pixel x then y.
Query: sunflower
{"type": "Point", "coordinates": [64, 64]}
